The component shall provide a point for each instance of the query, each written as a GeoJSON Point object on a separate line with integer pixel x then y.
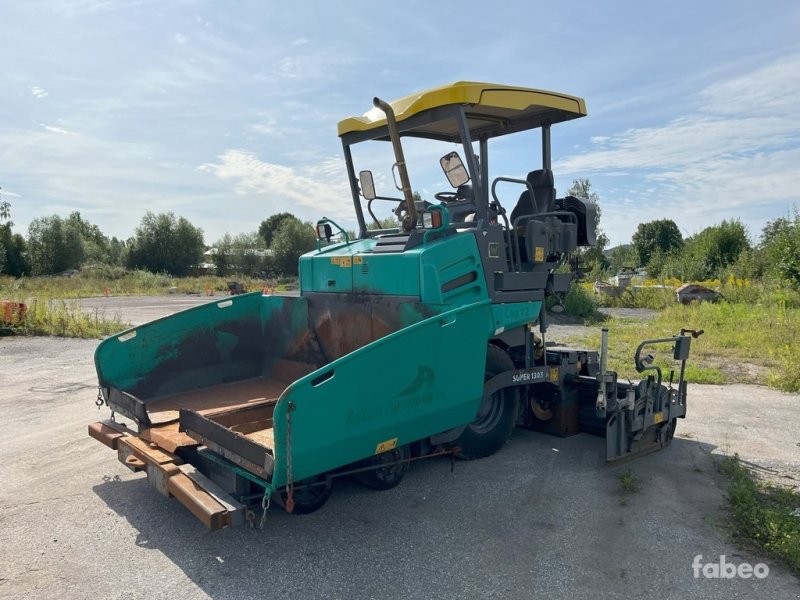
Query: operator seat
{"type": "Point", "coordinates": [544, 193]}
{"type": "Point", "coordinates": [462, 209]}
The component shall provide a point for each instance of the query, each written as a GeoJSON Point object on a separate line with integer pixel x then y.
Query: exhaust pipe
{"type": "Point", "coordinates": [410, 219]}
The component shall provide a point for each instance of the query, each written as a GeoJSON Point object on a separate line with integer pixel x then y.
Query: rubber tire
{"type": "Point", "coordinates": [307, 501]}
{"type": "Point", "coordinates": [387, 477]}
{"type": "Point", "coordinates": [669, 434]}
{"type": "Point", "coordinates": [485, 436]}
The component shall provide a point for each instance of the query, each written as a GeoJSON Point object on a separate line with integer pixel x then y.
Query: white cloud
{"type": "Point", "coordinates": [180, 39]}
{"type": "Point", "coordinates": [771, 89]}
{"type": "Point", "coordinates": [301, 41]}
{"type": "Point", "coordinates": [321, 187]}
{"type": "Point", "coordinates": [60, 130]}
{"type": "Point", "coordinates": [736, 150]}
{"type": "Point", "coordinates": [38, 92]}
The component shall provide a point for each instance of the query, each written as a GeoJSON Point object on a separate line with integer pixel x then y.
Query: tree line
{"type": "Point", "coordinates": [165, 243]}
{"type": "Point", "coordinates": [717, 252]}
{"type": "Point", "coordinates": [162, 243]}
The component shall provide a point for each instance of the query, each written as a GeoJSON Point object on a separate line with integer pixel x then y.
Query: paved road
{"type": "Point", "coordinates": [543, 517]}
{"type": "Point", "coordinates": [141, 309]}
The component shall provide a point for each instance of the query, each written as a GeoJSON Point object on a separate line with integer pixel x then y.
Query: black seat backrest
{"type": "Point", "coordinates": [544, 194]}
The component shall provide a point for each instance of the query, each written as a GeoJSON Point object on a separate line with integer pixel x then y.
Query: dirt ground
{"type": "Point", "coordinates": [543, 517]}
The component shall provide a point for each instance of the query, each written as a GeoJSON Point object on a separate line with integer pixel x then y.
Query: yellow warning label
{"type": "Point", "coordinates": [357, 260]}
{"type": "Point", "coordinates": [386, 446]}
{"type": "Point", "coordinates": [334, 260]}
{"type": "Point", "coordinates": [658, 417]}
{"type": "Point", "coordinates": [553, 375]}
{"type": "Point", "coordinates": [539, 254]}
{"type": "Point", "coordinates": [346, 262]}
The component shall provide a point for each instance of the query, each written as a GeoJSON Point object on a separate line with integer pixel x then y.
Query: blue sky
{"type": "Point", "coordinates": [226, 113]}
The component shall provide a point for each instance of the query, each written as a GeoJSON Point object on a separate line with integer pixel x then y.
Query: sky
{"type": "Point", "coordinates": [226, 112]}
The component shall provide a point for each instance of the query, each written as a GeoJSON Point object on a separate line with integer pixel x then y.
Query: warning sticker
{"type": "Point", "coordinates": [357, 260]}
{"type": "Point", "coordinates": [386, 446]}
{"type": "Point", "coordinates": [539, 254]}
{"type": "Point", "coordinates": [346, 262]}
{"type": "Point", "coordinates": [658, 417]}
{"type": "Point", "coordinates": [334, 260]}
{"type": "Point", "coordinates": [553, 375]}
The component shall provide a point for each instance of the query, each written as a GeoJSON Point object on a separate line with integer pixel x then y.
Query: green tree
{"type": "Point", "coordinates": [621, 257]}
{"type": "Point", "coordinates": [595, 256]}
{"type": "Point", "coordinates": [269, 226]}
{"type": "Point", "coordinates": [292, 239]}
{"type": "Point", "coordinates": [706, 254]}
{"type": "Point", "coordinates": [5, 208]}
{"type": "Point", "coordinates": [243, 253]}
{"type": "Point", "coordinates": [55, 245]}
{"type": "Point", "coordinates": [95, 245]}
{"type": "Point", "coordinates": [15, 257]}
{"type": "Point", "coordinates": [166, 243]}
{"type": "Point", "coordinates": [249, 252]}
{"type": "Point", "coordinates": [661, 235]}
{"type": "Point", "coordinates": [13, 251]}
{"type": "Point", "coordinates": [117, 252]}
{"type": "Point", "coordinates": [223, 255]}
{"type": "Point", "coordinates": [780, 243]}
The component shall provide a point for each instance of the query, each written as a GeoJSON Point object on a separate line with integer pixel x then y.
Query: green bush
{"type": "Point", "coordinates": [577, 302]}
{"type": "Point", "coordinates": [763, 513]}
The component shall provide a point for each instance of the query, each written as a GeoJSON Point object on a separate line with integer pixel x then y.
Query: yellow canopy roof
{"type": "Point", "coordinates": [491, 109]}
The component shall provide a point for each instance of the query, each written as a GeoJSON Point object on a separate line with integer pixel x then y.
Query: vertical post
{"type": "Point", "coordinates": [546, 155]}
{"type": "Point", "coordinates": [484, 199]}
{"type": "Point", "coordinates": [600, 405]}
{"type": "Point", "coordinates": [351, 175]}
{"type": "Point", "coordinates": [472, 164]}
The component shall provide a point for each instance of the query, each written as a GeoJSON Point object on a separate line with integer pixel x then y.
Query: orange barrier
{"type": "Point", "coordinates": [12, 312]}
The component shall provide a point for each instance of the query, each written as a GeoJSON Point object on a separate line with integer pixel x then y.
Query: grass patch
{"type": "Point", "coordinates": [103, 280]}
{"type": "Point", "coordinates": [662, 294]}
{"type": "Point", "coordinates": [64, 318]}
{"type": "Point", "coordinates": [628, 484]}
{"type": "Point", "coordinates": [700, 374]}
{"type": "Point", "coordinates": [53, 310]}
{"type": "Point", "coordinates": [735, 335]}
{"type": "Point", "coordinates": [762, 513]}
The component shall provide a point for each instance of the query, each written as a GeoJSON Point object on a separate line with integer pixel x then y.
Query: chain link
{"type": "Point", "coordinates": [265, 500]}
{"type": "Point", "coordinates": [99, 401]}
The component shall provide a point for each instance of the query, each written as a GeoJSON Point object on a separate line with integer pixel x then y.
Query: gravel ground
{"type": "Point", "coordinates": [543, 517]}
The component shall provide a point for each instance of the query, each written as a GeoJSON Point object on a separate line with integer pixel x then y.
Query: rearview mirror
{"type": "Point", "coordinates": [454, 169]}
{"type": "Point", "coordinates": [367, 185]}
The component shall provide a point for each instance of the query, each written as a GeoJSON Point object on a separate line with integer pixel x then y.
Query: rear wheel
{"type": "Point", "coordinates": [496, 418]}
{"type": "Point", "coordinates": [390, 470]}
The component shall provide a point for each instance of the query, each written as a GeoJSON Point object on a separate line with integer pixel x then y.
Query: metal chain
{"type": "Point", "coordinates": [264, 508]}
{"type": "Point", "coordinates": [289, 477]}
{"type": "Point", "coordinates": [100, 401]}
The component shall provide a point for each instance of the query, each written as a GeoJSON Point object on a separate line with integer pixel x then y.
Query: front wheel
{"type": "Point", "coordinates": [309, 495]}
{"type": "Point", "coordinates": [496, 418]}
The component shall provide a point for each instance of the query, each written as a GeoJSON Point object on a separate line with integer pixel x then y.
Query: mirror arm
{"type": "Point", "coordinates": [372, 214]}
